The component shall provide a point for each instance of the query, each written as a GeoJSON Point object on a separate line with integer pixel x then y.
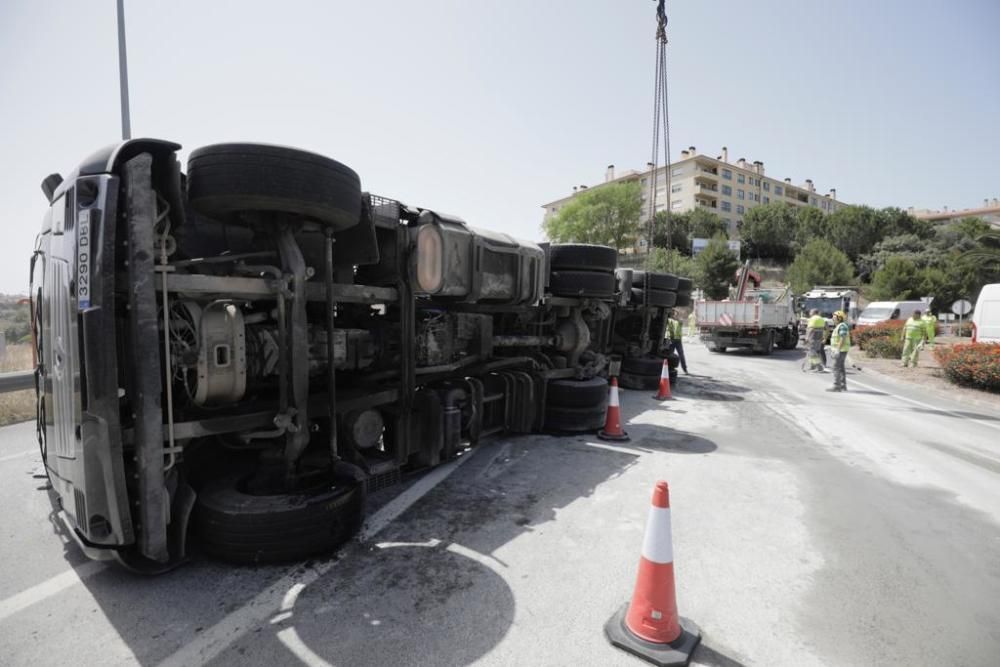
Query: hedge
{"type": "Point", "coordinates": [862, 335]}
{"type": "Point", "coordinates": [974, 365]}
{"type": "Point", "coordinates": [885, 347]}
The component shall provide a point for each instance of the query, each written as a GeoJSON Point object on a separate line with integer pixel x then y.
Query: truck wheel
{"type": "Point", "coordinates": [659, 298]}
{"type": "Point", "coordinates": [684, 285]}
{"type": "Point", "coordinates": [767, 346]}
{"type": "Point", "coordinates": [243, 528]}
{"type": "Point", "coordinates": [582, 257]}
{"type": "Point", "coordinates": [577, 393]}
{"type": "Point", "coordinates": [656, 281]}
{"type": "Point", "coordinates": [714, 347]}
{"type": "Point", "coordinates": [650, 366]}
{"type": "Point", "coordinates": [227, 179]}
{"type": "Point", "coordinates": [683, 300]}
{"type": "Point", "coordinates": [574, 420]}
{"type": "Point", "coordinates": [582, 284]}
{"type": "Point", "coordinates": [790, 340]}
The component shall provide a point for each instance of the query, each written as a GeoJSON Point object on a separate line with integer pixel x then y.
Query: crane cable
{"type": "Point", "coordinates": [661, 122]}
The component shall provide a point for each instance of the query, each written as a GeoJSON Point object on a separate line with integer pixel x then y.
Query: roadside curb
{"type": "Point", "coordinates": [903, 383]}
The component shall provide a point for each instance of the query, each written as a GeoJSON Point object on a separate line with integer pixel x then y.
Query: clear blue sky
{"type": "Point", "coordinates": [489, 109]}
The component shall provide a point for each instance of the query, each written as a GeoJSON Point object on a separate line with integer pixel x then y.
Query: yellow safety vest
{"type": "Point", "coordinates": [914, 329]}
{"type": "Point", "coordinates": [840, 339]}
{"type": "Point", "coordinates": [816, 322]}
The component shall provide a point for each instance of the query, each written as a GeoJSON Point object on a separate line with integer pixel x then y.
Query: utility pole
{"type": "Point", "coordinates": [123, 72]}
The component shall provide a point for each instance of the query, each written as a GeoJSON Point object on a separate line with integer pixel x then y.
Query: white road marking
{"type": "Point", "coordinates": [928, 405]}
{"type": "Point", "coordinates": [210, 643]}
{"type": "Point", "coordinates": [48, 588]}
{"type": "Point", "coordinates": [290, 638]}
{"type": "Point", "coordinates": [11, 457]}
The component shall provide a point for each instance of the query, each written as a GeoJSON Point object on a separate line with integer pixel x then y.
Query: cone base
{"type": "Point", "coordinates": [677, 652]}
{"type": "Point", "coordinates": [663, 398]}
{"type": "Point", "coordinates": [622, 437]}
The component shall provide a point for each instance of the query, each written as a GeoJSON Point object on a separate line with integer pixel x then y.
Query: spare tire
{"type": "Point", "coordinates": [656, 298]}
{"type": "Point", "coordinates": [684, 285]}
{"type": "Point", "coordinates": [224, 180]}
{"type": "Point", "coordinates": [647, 366]}
{"type": "Point", "coordinates": [582, 284]}
{"type": "Point", "coordinates": [683, 300]}
{"type": "Point", "coordinates": [243, 528]}
{"type": "Point", "coordinates": [577, 393]}
{"type": "Point", "coordinates": [582, 257]}
{"type": "Point", "coordinates": [658, 281]}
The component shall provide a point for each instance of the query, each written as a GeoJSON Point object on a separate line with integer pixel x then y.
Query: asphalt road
{"type": "Point", "coordinates": [809, 529]}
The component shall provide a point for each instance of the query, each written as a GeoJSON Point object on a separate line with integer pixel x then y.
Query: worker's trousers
{"type": "Point", "coordinates": [911, 351]}
{"type": "Point", "coordinates": [678, 346]}
{"type": "Point", "coordinates": [839, 371]}
{"type": "Point", "coordinates": [817, 355]}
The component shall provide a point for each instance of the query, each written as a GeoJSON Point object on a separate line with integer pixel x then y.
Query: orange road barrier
{"type": "Point", "coordinates": [663, 394]}
{"type": "Point", "coordinates": [649, 627]}
{"type": "Point", "coordinates": [613, 422]}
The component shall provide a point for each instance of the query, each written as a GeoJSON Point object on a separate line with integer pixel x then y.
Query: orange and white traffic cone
{"type": "Point", "coordinates": [613, 422]}
{"type": "Point", "coordinates": [663, 394]}
{"type": "Point", "coordinates": [649, 627]}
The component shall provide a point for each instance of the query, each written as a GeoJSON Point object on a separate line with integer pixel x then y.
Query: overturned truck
{"type": "Point", "coordinates": [250, 348]}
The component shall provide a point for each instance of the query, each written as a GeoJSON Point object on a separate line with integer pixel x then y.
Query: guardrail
{"type": "Point", "coordinates": [17, 381]}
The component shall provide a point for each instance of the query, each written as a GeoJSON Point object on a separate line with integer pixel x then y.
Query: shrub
{"type": "Point", "coordinates": [863, 335]}
{"type": "Point", "coordinates": [974, 365]}
{"type": "Point", "coordinates": [963, 330]}
{"type": "Point", "coordinates": [885, 347]}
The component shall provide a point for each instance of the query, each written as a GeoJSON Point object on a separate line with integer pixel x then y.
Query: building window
{"type": "Point", "coordinates": [740, 178]}
{"type": "Point", "coordinates": [726, 206]}
{"type": "Point", "coordinates": [740, 209]}
{"type": "Point", "coordinates": [740, 194]}
{"type": "Point", "coordinates": [767, 199]}
{"type": "Point", "coordinates": [812, 200]}
{"type": "Point", "coordinates": [675, 204]}
{"type": "Point", "coordinates": [777, 189]}
{"type": "Point", "coordinates": [677, 171]}
{"type": "Point", "coordinates": [642, 181]}
{"type": "Point", "coordinates": [756, 197]}
{"type": "Point", "coordinates": [727, 190]}
{"type": "Point", "coordinates": [767, 186]}
{"type": "Point", "coordinates": [727, 174]}
{"type": "Point", "coordinates": [676, 188]}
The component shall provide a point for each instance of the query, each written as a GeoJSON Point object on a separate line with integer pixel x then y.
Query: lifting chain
{"type": "Point", "coordinates": [661, 123]}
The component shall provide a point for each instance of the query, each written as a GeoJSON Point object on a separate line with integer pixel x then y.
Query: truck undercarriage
{"type": "Point", "coordinates": [251, 347]}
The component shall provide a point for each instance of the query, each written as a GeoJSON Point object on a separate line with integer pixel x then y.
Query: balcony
{"type": "Point", "coordinates": [706, 169]}
{"type": "Point", "coordinates": [710, 191]}
{"type": "Point", "coordinates": [706, 203]}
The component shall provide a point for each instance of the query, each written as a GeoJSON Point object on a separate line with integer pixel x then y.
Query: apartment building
{"type": "Point", "coordinates": [725, 188]}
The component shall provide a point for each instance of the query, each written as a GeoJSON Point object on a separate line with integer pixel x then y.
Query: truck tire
{"type": "Point", "coordinates": [766, 345]}
{"type": "Point", "coordinates": [582, 284]}
{"type": "Point", "coordinates": [658, 298]}
{"type": "Point", "coordinates": [582, 257]}
{"type": "Point", "coordinates": [791, 339]}
{"type": "Point", "coordinates": [715, 347]}
{"type": "Point", "coordinates": [684, 285]}
{"type": "Point", "coordinates": [236, 526]}
{"type": "Point", "coordinates": [648, 366]}
{"type": "Point", "coordinates": [574, 420]}
{"type": "Point", "coordinates": [224, 180]}
{"type": "Point", "coordinates": [683, 300]}
{"type": "Point", "coordinates": [590, 393]}
{"type": "Point", "coordinates": [656, 281]}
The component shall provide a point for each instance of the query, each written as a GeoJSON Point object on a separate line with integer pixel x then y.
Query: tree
{"type": "Point", "coordinates": [898, 279]}
{"type": "Point", "coordinates": [697, 224]}
{"type": "Point", "coordinates": [716, 268]}
{"type": "Point", "coordinates": [810, 224]}
{"type": "Point", "coordinates": [896, 222]}
{"type": "Point", "coordinates": [819, 263]}
{"type": "Point", "coordinates": [768, 230]}
{"type": "Point", "coordinates": [854, 230]}
{"type": "Point", "coordinates": [606, 215]}
{"type": "Point", "coordinates": [676, 262]}
{"type": "Point", "coordinates": [987, 254]}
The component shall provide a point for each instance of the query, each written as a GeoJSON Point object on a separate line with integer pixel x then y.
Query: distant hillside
{"type": "Point", "coordinates": [15, 318]}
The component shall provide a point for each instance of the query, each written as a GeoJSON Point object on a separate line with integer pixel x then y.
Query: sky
{"type": "Point", "coordinates": [487, 110]}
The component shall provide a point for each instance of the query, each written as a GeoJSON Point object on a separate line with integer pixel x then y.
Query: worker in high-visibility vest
{"type": "Point", "coordinates": [815, 332]}
{"type": "Point", "coordinates": [930, 322]}
{"type": "Point", "coordinates": [840, 343]}
{"type": "Point", "coordinates": [675, 333]}
{"type": "Point", "coordinates": [914, 334]}
{"type": "Point", "coordinates": [692, 324]}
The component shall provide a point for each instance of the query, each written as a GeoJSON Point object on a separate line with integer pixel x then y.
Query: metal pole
{"type": "Point", "coordinates": [123, 72]}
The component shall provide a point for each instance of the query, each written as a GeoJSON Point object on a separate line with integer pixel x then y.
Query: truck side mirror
{"type": "Point", "coordinates": [49, 185]}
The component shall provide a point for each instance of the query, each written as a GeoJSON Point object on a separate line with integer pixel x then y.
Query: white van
{"type": "Point", "coordinates": [883, 311]}
{"type": "Point", "coordinates": [986, 316]}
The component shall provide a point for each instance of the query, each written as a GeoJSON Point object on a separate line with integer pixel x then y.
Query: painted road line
{"type": "Point", "coordinates": [48, 588]}
{"type": "Point", "coordinates": [929, 406]}
{"type": "Point", "coordinates": [11, 457]}
{"type": "Point", "coordinates": [210, 643]}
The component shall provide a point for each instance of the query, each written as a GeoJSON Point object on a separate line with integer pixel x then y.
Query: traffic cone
{"type": "Point", "coordinates": [663, 394]}
{"type": "Point", "coordinates": [613, 422]}
{"type": "Point", "coordinates": [649, 627]}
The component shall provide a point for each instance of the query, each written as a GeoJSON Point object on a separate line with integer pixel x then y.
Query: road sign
{"type": "Point", "coordinates": [961, 307]}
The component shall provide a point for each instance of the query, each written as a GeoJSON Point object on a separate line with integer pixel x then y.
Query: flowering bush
{"type": "Point", "coordinates": [971, 364]}
{"type": "Point", "coordinates": [885, 347]}
{"type": "Point", "coordinates": [891, 328]}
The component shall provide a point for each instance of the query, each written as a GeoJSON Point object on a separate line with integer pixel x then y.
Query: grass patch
{"type": "Point", "coordinates": [17, 406]}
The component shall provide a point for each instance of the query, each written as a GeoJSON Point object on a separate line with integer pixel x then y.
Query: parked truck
{"type": "Point", "coordinates": [754, 318]}
{"type": "Point", "coordinates": [828, 299]}
{"type": "Point", "coordinates": [252, 346]}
